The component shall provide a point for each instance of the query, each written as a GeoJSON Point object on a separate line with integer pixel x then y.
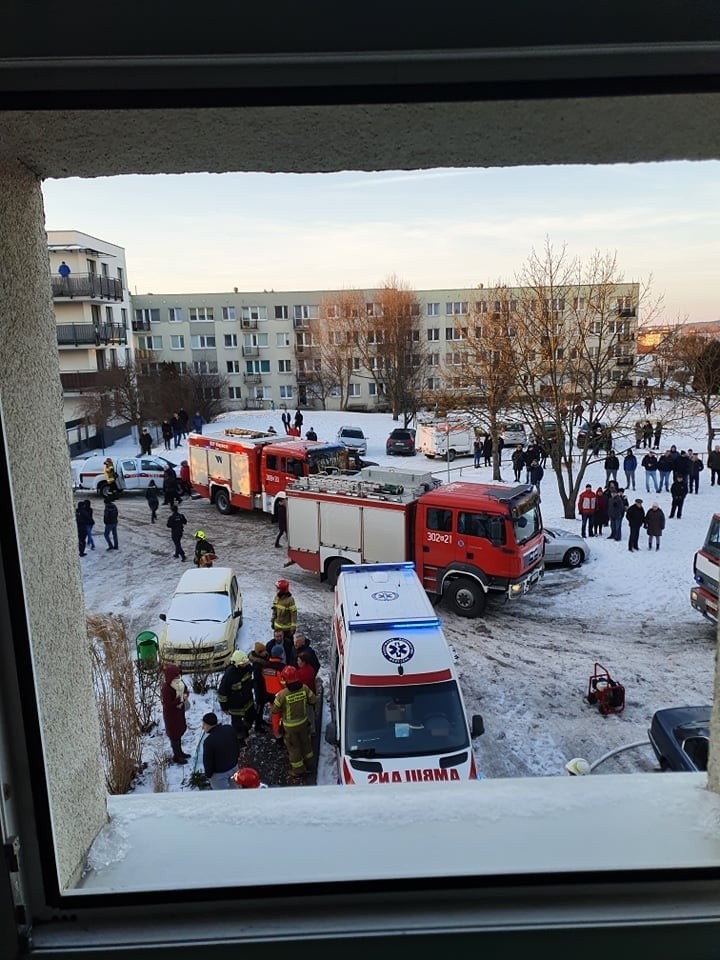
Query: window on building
{"type": "Point", "coordinates": [121, 277]}
{"type": "Point", "coordinates": [123, 316]}
{"type": "Point", "coordinates": [432, 383]}
{"type": "Point", "coordinates": [253, 313]}
{"type": "Point", "coordinates": [233, 366]}
{"type": "Point", "coordinates": [257, 366]}
{"type": "Point", "coordinates": [228, 313]}
{"type": "Point", "coordinates": [202, 341]}
{"type": "Point", "coordinates": [432, 309]}
{"type": "Point", "coordinates": [555, 303]}
{"type": "Point", "coordinates": [481, 306]}
{"type": "Point", "coordinates": [201, 314]}
{"type": "Point", "coordinates": [234, 393]}
{"type": "Point", "coordinates": [149, 343]}
{"type": "Point", "coordinates": [376, 337]}
{"type": "Point", "coordinates": [281, 312]}
{"type": "Point", "coordinates": [282, 339]}
{"type": "Point", "coordinates": [204, 366]}
{"type": "Point", "coordinates": [353, 390]}
{"type": "Point", "coordinates": [373, 309]}
{"type": "Point", "coordinates": [455, 333]}
{"type": "Point", "coordinates": [147, 315]}
{"type": "Point", "coordinates": [175, 314]}
{"type": "Point", "coordinates": [413, 336]}
{"type": "Point", "coordinates": [177, 342]}
{"type": "Point", "coordinates": [108, 315]}
{"type": "Point", "coordinates": [230, 340]}
{"type": "Point", "coordinates": [284, 366]}
{"type": "Point", "coordinates": [306, 311]}
{"type": "Point", "coordinates": [578, 303]}
{"type": "Point", "coordinates": [286, 391]}
{"type": "Point", "coordinates": [456, 308]}
{"type": "Point", "coordinates": [433, 333]}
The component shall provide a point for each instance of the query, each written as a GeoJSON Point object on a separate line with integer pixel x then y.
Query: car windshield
{"type": "Point", "coordinates": [200, 608]}
{"type": "Point", "coordinates": [329, 458]}
{"type": "Point", "coordinates": [712, 541]}
{"type": "Point", "coordinates": [354, 434]}
{"type": "Point", "coordinates": [527, 525]}
{"type": "Point", "coordinates": [408, 721]}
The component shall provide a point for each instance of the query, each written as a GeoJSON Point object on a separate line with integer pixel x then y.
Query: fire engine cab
{"type": "Point", "coordinates": [397, 709]}
{"type": "Point", "coordinates": [467, 540]}
{"type": "Point", "coordinates": [248, 470]}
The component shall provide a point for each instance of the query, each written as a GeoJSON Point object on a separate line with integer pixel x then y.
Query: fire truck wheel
{"type": "Point", "coordinates": [467, 598]}
{"type": "Point", "coordinates": [222, 502]}
{"type": "Point", "coordinates": [333, 571]}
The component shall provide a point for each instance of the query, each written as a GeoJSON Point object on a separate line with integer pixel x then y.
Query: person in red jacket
{"type": "Point", "coordinates": [184, 479]}
{"type": "Point", "coordinates": [586, 508]}
{"type": "Point", "coordinates": [174, 697]}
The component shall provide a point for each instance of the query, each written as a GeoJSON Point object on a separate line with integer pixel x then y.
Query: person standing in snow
{"type": "Point", "coordinates": [612, 465]}
{"type": "Point", "coordinates": [694, 468]}
{"type": "Point", "coordinates": [518, 460]}
{"type": "Point", "coordinates": [171, 488]}
{"type": "Point", "coordinates": [284, 617]}
{"type": "Point", "coordinates": [600, 514]}
{"type": "Point", "coordinates": [714, 465]}
{"type": "Point", "coordinates": [281, 511]}
{"type": "Point", "coordinates": [198, 422]}
{"type": "Point", "coordinates": [167, 432]}
{"type": "Point", "coordinates": [311, 435]}
{"type": "Point", "coordinates": [536, 473]}
{"type": "Point", "coordinates": [630, 466]}
{"type": "Point", "coordinates": [176, 522]}
{"type": "Point", "coordinates": [145, 443]}
{"type": "Point", "coordinates": [175, 698]}
{"type": "Point", "coordinates": [655, 524]}
{"type": "Point", "coordinates": [635, 517]}
{"type": "Point", "coordinates": [220, 753]}
{"type": "Point", "coordinates": [110, 519]}
{"type": "Point", "coordinates": [586, 509]}
{"type": "Point", "coordinates": [151, 496]}
{"type": "Point", "coordinates": [678, 492]}
{"type": "Point", "coordinates": [616, 512]}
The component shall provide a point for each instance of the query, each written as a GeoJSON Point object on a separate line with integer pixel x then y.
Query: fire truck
{"type": "Point", "coordinates": [397, 709]}
{"type": "Point", "coordinates": [706, 568]}
{"type": "Point", "coordinates": [445, 438]}
{"type": "Point", "coordinates": [248, 470]}
{"type": "Point", "coordinates": [467, 540]}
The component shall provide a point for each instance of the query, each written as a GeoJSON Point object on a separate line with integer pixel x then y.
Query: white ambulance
{"type": "Point", "coordinates": [397, 709]}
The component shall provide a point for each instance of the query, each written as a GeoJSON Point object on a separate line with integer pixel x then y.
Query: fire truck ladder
{"type": "Point", "coordinates": [247, 434]}
{"type": "Point", "coordinates": [348, 487]}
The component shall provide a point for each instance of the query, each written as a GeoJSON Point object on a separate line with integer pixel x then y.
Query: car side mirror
{"type": "Point", "coordinates": [163, 616]}
{"type": "Point", "coordinates": [477, 728]}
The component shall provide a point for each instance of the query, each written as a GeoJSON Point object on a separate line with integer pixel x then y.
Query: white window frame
{"type": "Point", "coordinates": [229, 313]}
{"type": "Point", "coordinates": [456, 308]}
{"type": "Point", "coordinates": [432, 309]}
{"type": "Point", "coordinates": [286, 391]}
{"type": "Point", "coordinates": [201, 315]}
{"type": "Point", "coordinates": [177, 341]}
{"type": "Point", "coordinates": [282, 339]}
{"type": "Point", "coordinates": [202, 341]}
{"type": "Point", "coordinates": [175, 314]}
{"type": "Point", "coordinates": [282, 311]}
{"type": "Point", "coordinates": [284, 366]}
{"type": "Point", "coordinates": [230, 340]}
{"type": "Point", "coordinates": [354, 390]}
{"type": "Point", "coordinates": [234, 393]}
{"type": "Point", "coordinates": [233, 366]}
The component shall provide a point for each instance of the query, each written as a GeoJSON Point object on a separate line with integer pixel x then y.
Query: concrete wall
{"type": "Point", "coordinates": [36, 447]}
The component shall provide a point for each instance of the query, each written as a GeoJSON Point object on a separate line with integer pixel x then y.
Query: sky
{"type": "Point", "coordinates": [433, 229]}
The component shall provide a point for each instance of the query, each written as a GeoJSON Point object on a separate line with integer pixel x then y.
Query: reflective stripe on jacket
{"type": "Point", "coordinates": [292, 705]}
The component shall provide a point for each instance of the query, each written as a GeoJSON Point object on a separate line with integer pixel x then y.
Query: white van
{"type": "Point", "coordinates": [133, 473]}
{"type": "Point", "coordinates": [514, 433]}
{"type": "Point", "coordinates": [397, 709]}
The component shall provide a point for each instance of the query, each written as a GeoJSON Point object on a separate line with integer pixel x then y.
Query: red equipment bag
{"type": "Point", "coordinates": [607, 693]}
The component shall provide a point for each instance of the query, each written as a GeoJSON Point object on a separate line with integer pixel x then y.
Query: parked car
{"type": "Point", "coordinates": [680, 737]}
{"type": "Point", "coordinates": [354, 439]}
{"type": "Point", "coordinates": [598, 426]}
{"type": "Point", "coordinates": [514, 433]}
{"type": "Point", "coordinates": [401, 440]}
{"type": "Point", "coordinates": [564, 547]}
{"type": "Point", "coordinates": [133, 473]}
{"type": "Point", "coordinates": [202, 622]}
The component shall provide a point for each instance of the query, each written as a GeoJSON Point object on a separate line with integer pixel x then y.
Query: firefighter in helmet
{"type": "Point", "coordinates": [293, 703]}
{"type": "Point", "coordinates": [204, 550]}
{"type": "Point", "coordinates": [284, 617]}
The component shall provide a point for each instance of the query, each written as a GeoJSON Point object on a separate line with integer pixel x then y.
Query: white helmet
{"type": "Point", "coordinates": [577, 767]}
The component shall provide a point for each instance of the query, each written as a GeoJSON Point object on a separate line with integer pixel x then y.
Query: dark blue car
{"type": "Point", "coordinates": [680, 737]}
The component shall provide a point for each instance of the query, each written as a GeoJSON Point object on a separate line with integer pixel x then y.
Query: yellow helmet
{"type": "Point", "coordinates": [199, 534]}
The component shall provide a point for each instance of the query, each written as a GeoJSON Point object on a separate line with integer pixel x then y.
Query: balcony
{"type": "Point", "coordinates": [624, 361]}
{"type": "Point", "coordinates": [140, 325]}
{"type": "Point", "coordinates": [141, 353]}
{"type": "Point", "coordinates": [249, 324]}
{"type": "Point", "coordinates": [251, 351]}
{"type": "Point", "coordinates": [90, 382]}
{"type": "Point", "coordinates": [626, 311]}
{"type": "Point", "coordinates": [108, 333]}
{"type": "Point", "coordinates": [300, 323]}
{"type": "Point", "coordinates": [76, 335]}
{"type": "Point", "coordinates": [86, 286]}
{"type": "Point", "coordinates": [252, 378]}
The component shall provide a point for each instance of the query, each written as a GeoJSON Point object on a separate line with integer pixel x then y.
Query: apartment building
{"type": "Point", "coordinates": [92, 311]}
{"type": "Point", "coordinates": [265, 344]}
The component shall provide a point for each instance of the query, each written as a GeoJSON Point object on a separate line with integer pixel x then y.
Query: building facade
{"type": "Point", "coordinates": [266, 345]}
{"type": "Point", "coordinates": [92, 316]}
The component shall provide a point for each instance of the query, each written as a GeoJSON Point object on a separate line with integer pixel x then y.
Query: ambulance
{"type": "Point", "coordinates": [397, 709]}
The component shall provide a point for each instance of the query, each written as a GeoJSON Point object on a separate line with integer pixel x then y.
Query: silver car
{"type": "Point", "coordinates": [565, 547]}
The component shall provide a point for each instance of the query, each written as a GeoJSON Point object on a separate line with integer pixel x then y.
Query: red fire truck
{"type": "Point", "coordinates": [466, 539]}
{"type": "Point", "coordinates": [706, 569]}
{"type": "Point", "coordinates": [248, 470]}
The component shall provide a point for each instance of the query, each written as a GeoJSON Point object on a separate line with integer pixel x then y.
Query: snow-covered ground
{"type": "Point", "coordinates": [524, 667]}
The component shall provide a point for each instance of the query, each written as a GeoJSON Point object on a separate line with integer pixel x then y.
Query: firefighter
{"type": "Point", "coordinates": [284, 617]}
{"type": "Point", "coordinates": [235, 695]}
{"type": "Point", "coordinates": [291, 704]}
{"type": "Point", "coordinates": [111, 489]}
{"type": "Point", "coordinates": [204, 550]}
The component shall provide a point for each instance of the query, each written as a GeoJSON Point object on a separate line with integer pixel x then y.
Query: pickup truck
{"type": "Point", "coordinates": [133, 473]}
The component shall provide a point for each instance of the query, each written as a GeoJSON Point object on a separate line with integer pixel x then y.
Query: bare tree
{"type": "Point", "coordinates": [391, 349]}
{"type": "Point", "coordinates": [573, 326]}
{"type": "Point", "coordinates": [337, 338]}
{"type": "Point", "coordinates": [692, 361]}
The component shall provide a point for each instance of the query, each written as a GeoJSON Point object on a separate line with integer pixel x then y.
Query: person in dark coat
{"type": "Point", "coordinates": [110, 519]}
{"type": "Point", "coordinates": [184, 485]}
{"type": "Point", "coordinates": [616, 512]}
{"type": "Point", "coordinates": [235, 695]}
{"type": "Point", "coordinates": [678, 492]}
{"type": "Point", "coordinates": [298, 419]}
{"type": "Point", "coordinates": [694, 468]}
{"type": "Point", "coordinates": [167, 432]}
{"type": "Point", "coordinates": [600, 516]}
{"type": "Point", "coordinates": [629, 467]}
{"type": "Point", "coordinates": [635, 517]}
{"type": "Point", "coordinates": [654, 524]}
{"type": "Point", "coordinates": [176, 522]}
{"type": "Point", "coordinates": [281, 511]}
{"type": "Point", "coordinates": [151, 496]}
{"type": "Point", "coordinates": [145, 443]}
{"type": "Point", "coordinates": [220, 753]}
{"type": "Point", "coordinates": [477, 452]}
{"type": "Point", "coordinates": [171, 487]}
{"type": "Point", "coordinates": [311, 435]}
{"type": "Point", "coordinates": [198, 422]}
{"type": "Point", "coordinates": [183, 419]}
{"type": "Point", "coordinates": [174, 697]}
{"type": "Point", "coordinates": [204, 550]}
{"type": "Point", "coordinates": [259, 658]}
{"type": "Point", "coordinates": [302, 645]}
{"type": "Point", "coordinates": [518, 460]}
{"type": "Point", "coordinates": [657, 433]}
{"type": "Point", "coordinates": [612, 465]}
{"type": "Point", "coordinates": [536, 474]}
{"type": "Point", "coordinates": [713, 462]}
{"type": "Point", "coordinates": [650, 464]}
{"type": "Point", "coordinates": [82, 520]}
{"type": "Point", "coordinates": [664, 470]}
{"type": "Point", "coordinates": [648, 435]}
{"type": "Point", "coordinates": [177, 432]}
{"type": "Point", "coordinates": [487, 450]}
{"type": "Point", "coordinates": [681, 466]}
